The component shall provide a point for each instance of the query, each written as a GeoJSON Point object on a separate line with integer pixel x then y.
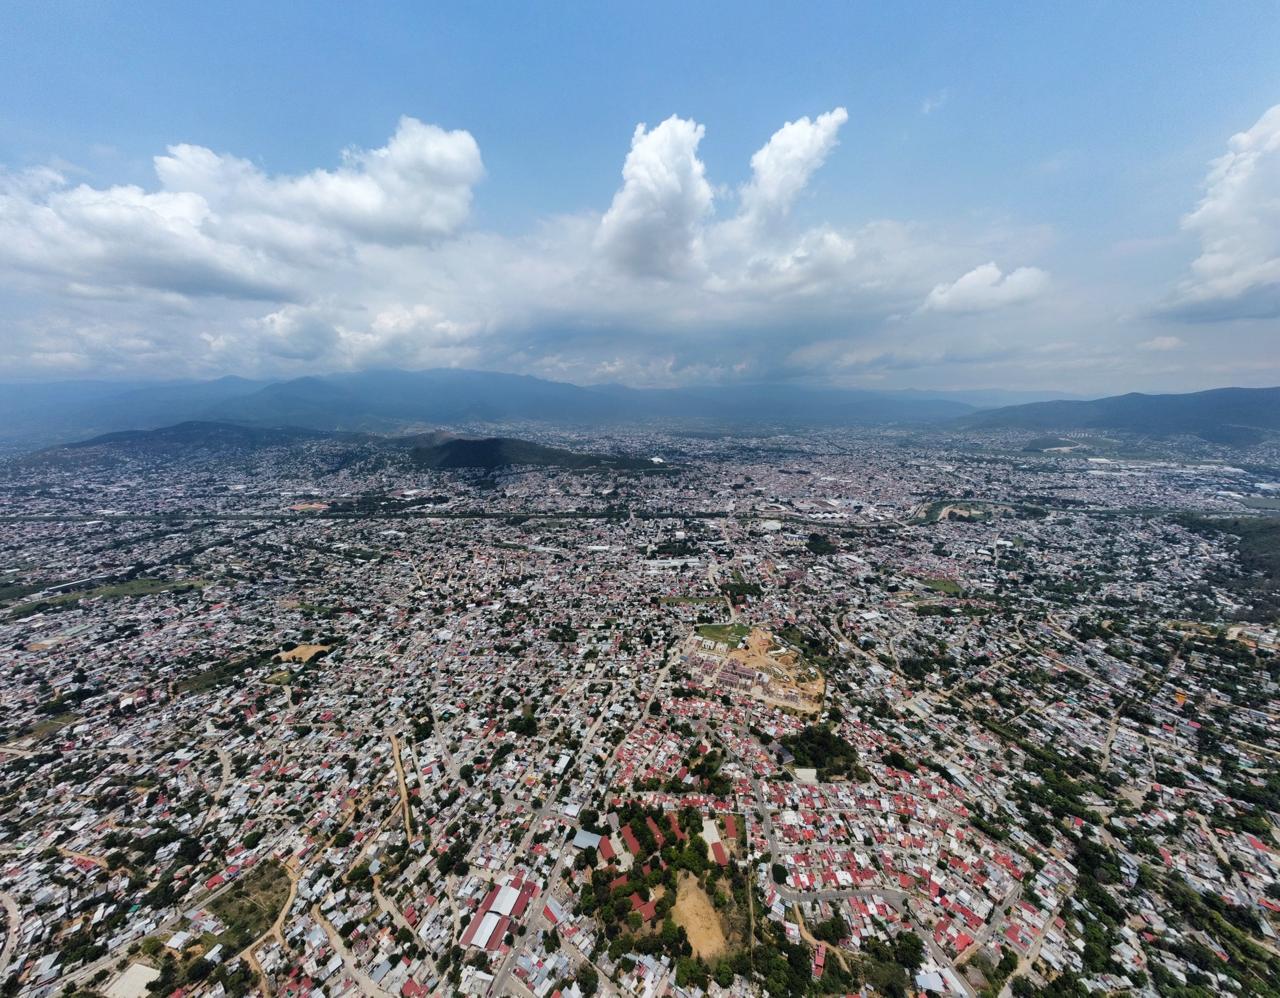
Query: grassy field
{"type": "Point", "coordinates": [47, 727]}
{"type": "Point", "coordinates": [249, 908]}
{"type": "Point", "coordinates": [116, 590]}
{"type": "Point", "coordinates": [729, 634]}
{"type": "Point", "coordinates": [948, 586]}
{"type": "Point", "coordinates": [215, 675]}
{"type": "Point", "coordinates": [17, 590]}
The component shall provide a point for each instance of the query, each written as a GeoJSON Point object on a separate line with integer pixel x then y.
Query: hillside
{"type": "Point", "coordinates": [40, 414]}
{"type": "Point", "coordinates": [196, 433]}
{"type": "Point", "coordinates": [172, 442]}
{"type": "Point", "coordinates": [499, 452]}
{"type": "Point", "coordinates": [437, 450]}
{"type": "Point", "coordinates": [1221, 415]}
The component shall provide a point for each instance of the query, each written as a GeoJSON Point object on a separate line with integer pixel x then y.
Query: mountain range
{"type": "Point", "coordinates": [1221, 415]}
{"type": "Point", "coordinates": [395, 402]}
{"type": "Point", "coordinates": [390, 401]}
{"type": "Point", "coordinates": [437, 451]}
{"type": "Point", "coordinates": [500, 452]}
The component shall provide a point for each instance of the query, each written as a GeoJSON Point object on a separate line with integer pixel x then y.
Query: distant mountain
{"type": "Point", "coordinates": [1221, 415]}
{"type": "Point", "coordinates": [173, 442]}
{"type": "Point", "coordinates": [387, 402]}
{"type": "Point", "coordinates": [386, 399]}
{"type": "Point", "coordinates": [390, 401]}
{"type": "Point", "coordinates": [500, 452]}
{"type": "Point", "coordinates": [436, 451]}
{"type": "Point", "coordinates": [982, 398]}
{"type": "Point", "coordinates": [195, 433]}
{"type": "Point", "coordinates": [35, 414]}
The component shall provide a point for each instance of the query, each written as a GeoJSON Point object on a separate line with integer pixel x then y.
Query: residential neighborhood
{"type": "Point", "coordinates": [833, 714]}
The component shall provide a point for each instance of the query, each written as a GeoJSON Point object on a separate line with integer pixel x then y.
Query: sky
{"type": "Point", "coordinates": [1078, 197]}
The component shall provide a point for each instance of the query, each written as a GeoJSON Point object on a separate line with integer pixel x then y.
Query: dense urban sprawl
{"type": "Point", "coordinates": [841, 712]}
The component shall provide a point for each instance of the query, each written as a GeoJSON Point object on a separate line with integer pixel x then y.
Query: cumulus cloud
{"type": "Point", "coordinates": [781, 169]}
{"type": "Point", "coordinates": [986, 288]}
{"type": "Point", "coordinates": [126, 238]}
{"type": "Point", "coordinates": [653, 226]}
{"type": "Point", "coordinates": [1237, 274]}
{"type": "Point", "coordinates": [221, 265]}
{"type": "Point", "coordinates": [297, 332]}
{"type": "Point", "coordinates": [220, 227]}
{"type": "Point", "coordinates": [416, 187]}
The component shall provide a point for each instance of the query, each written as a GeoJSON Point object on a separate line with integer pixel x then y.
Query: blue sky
{"type": "Point", "coordinates": [1003, 199]}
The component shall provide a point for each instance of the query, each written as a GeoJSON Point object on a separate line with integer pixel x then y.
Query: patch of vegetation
{"type": "Point", "coordinates": [252, 904]}
{"type": "Point", "coordinates": [564, 633]}
{"type": "Point", "coordinates": [48, 726]}
{"type": "Point", "coordinates": [960, 510]}
{"type": "Point", "coordinates": [117, 590]}
{"type": "Point", "coordinates": [738, 590]}
{"type": "Point", "coordinates": [17, 590]}
{"type": "Point", "coordinates": [1258, 554]}
{"type": "Point", "coordinates": [221, 673]}
{"type": "Point", "coordinates": [729, 634]}
{"type": "Point", "coordinates": [818, 747]}
{"type": "Point", "coordinates": [948, 586]}
{"type": "Point", "coordinates": [821, 544]}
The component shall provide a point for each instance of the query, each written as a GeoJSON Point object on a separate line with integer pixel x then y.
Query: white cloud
{"type": "Point", "coordinates": [1237, 274]}
{"type": "Point", "coordinates": [781, 169]}
{"type": "Point", "coordinates": [653, 226]}
{"type": "Point", "coordinates": [297, 333]}
{"type": "Point", "coordinates": [1162, 344]}
{"type": "Point", "coordinates": [416, 187]}
{"type": "Point", "coordinates": [223, 266]}
{"type": "Point", "coordinates": [220, 227]}
{"type": "Point", "coordinates": [985, 288]}
{"type": "Point", "coordinates": [126, 238]}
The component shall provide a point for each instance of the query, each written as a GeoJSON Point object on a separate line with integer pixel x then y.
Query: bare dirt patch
{"type": "Point", "coordinates": [762, 668]}
{"type": "Point", "coordinates": [301, 653]}
{"type": "Point", "coordinates": [695, 913]}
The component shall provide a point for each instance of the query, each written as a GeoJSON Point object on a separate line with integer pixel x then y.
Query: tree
{"type": "Point", "coordinates": [832, 930]}
{"type": "Point", "coordinates": [908, 951]}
